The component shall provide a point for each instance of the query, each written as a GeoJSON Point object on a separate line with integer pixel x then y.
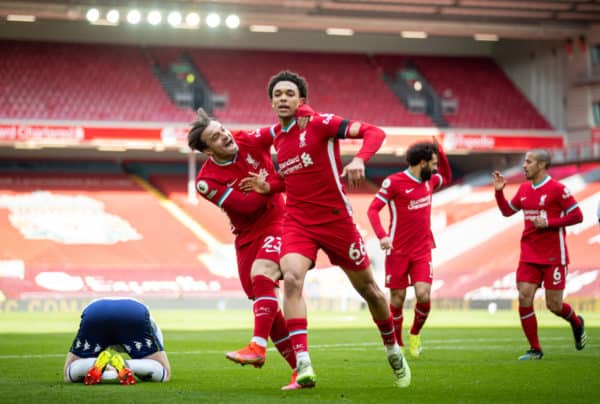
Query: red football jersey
{"type": "Point", "coordinates": [250, 213]}
{"type": "Point", "coordinates": [551, 200]}
{"type": "Point", "coordinates": [409, 201]}
{"type": "Point", "coordinates": [309, 161]}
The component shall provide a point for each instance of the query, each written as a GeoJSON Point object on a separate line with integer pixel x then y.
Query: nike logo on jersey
{"type": "Point", "coordinates": [232, 183]}
{"type": "Point", "coordinates": [408, 191]}
{"type": "Point", "coordinates": [523, 198]}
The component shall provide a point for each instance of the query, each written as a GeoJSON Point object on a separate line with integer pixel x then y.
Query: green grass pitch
{"type": "Point", "coordinates": [468, 357]}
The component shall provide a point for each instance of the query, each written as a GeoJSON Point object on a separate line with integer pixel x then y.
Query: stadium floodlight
{"type": "Point", "coordinates": [264, 28]}
{"type": "Point", "coordinates": [113, 16]}
{"type": "Point", "coordinates": [20, 18]}
{"type": "Point", "coordinates": [154, 17]}
{"type": "Point", "coordinates": [174, 18]}
{"type": "Point", "coordinates": [192, 19]}
{"type": "Point", "coordinates": [339, 31]}
{"type": "Point", "coordinates": [417, 85]}
{"type": "Point", "coordinates": [232, 21]}
{"type": "Point", "coordinates": [134, 17]}
{"type": "Point", "coordinates": [486, 37]}
{"type": "Point", "coordinates": [92, 15]}
{"type": "Point", "coordinates": [213, 20]}
{"type": "Point", "coordinates": [414, 34]}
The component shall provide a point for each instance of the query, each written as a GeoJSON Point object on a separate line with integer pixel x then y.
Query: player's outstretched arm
{"type": "Point", "coordinates": [499, 183]}
{"type": "Point", "coordinates": [373, 213]}
{"type": "Point", "coordinates": [372, 136]}
{"type": "Point", "coordinates": [443, 164]}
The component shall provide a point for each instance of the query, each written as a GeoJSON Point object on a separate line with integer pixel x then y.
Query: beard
{"type": "Point", "coordinates": [426, 174]}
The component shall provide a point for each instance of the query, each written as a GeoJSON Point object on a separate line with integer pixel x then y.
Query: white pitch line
{"type": "Point", "coordinates": [434, 344]}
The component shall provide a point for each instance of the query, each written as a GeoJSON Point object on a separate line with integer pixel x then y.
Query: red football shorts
{"type": "Point", "coordinates": [553, 277]}
{"type": "Point", "coordinates": [402, 270]}
{"type": "Point", "coordinates": [340, 240]}
{"type": "Point", "coordinates": [266, 247]}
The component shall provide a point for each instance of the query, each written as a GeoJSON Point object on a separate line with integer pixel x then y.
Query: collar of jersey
{"type": "Point", "coordinates": [225, 163]}
{"type": "Point", "coordinates": [541, 183]}
{"type": "Point", "coordinates": [289, 127]}
{"type": "Point", "coordinates": [412, 177]}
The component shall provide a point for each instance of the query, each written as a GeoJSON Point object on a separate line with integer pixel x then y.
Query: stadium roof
{"type": "Point", "coordinates": [540, 19]}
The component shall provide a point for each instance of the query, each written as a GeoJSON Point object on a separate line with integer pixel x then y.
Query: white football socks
{"type": "Point", "coordinates": [392, 349]}
{"type": "Point", "coordinates": [147, 369]}
{"type": "Point", "coordinates": [303, 356]}
{"type": "Point", "coordinates": [78, 369]}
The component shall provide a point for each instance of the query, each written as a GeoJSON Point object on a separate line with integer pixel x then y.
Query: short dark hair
{"type": "Point", "coordinates": [286, 75]}
{"type": "Point", "coordinates": [542, 155]}
{"type": "Point", "coordinates": [420, 151]}
{"type": "Point", "coordinates": [198, 126]}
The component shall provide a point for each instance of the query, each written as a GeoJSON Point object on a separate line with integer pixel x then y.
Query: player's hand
{"type": "Point", "coordinates": [354, 172]}
{"type": "Point", "coordinates": [540, 222]}
{"type": "Point", "coordinates": [303, 121]}
{"type": "Point", "coordinates": [385, 243]}
{"type": "Point", "coordinates": [304, 115]}
{"type": "Point", "coordinates": [498, 180]}
{"type": "Point", "coordinates": [255, 182]}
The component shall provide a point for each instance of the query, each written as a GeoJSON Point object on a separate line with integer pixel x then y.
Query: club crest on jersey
{"type": "Point", "coordinates": [303, 139]}
{"type": "Point", "coordinates": [543, 200]}
{"type": "Point", "coordinates": [202, 187]}
{"type": "Point", "coordinates": [566, 193]}
{"type": "Point", "coordinates": [250, 160]}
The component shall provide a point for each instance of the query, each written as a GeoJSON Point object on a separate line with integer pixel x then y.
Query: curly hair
{"type": "Point", "coordinates": [421, 151]}
{"type": "Point", "coordinates": [286, 75]}
{"type": "Point", "coordinates": [198, 126]}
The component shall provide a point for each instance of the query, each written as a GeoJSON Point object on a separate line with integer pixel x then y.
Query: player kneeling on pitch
{"type": "Point", "coordinates": [121, 325]}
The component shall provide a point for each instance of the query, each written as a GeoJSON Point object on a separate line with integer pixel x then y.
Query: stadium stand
{"type": "Point", "coordinates": [116, 83]}
{"type": "Point", "coordinates": [486, 96]}
{"type": "Point", "coordinates": [111, 83]}
{"type": "Point", "coordinates": [345, 84]}
{"type": "Point", "coordinates": [82, 82]}
{"type": "Point", "coordinates": [87, 233]}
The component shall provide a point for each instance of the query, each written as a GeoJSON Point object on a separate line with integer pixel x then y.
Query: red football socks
{"type": "Point", "coordinates": [386, 330]}
{"type": "Point", "coordinates": [266, 305]}
{"type": "Point", "coordinates": [569, 314]}
{"type": "Point", "coordinates": [530, 328]}
{"type": "Point", "coordinates": [281, 338]}
{"type": "Point", "coordinates": [298, 328]}
{"type": "Point", "coordinates": [421, 314]}
{"type": "Point", "coordinates": [398, 319]}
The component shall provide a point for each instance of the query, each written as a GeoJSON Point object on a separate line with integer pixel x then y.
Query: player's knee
{"type": "Point", "coordinates": [525, 298]}
{"type": "Point", "coordinates": [422, 296]}
{"type": "Point", "coordinates": [266, 268]}
{"type": "Point", "coordinates": [292, 282]}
